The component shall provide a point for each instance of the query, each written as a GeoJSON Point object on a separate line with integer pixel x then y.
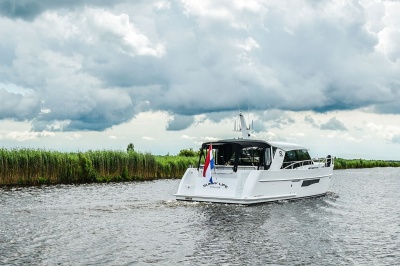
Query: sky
{"type": "Point", "coordinates": [168, 75]}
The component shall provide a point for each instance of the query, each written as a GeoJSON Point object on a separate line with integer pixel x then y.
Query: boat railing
{"type": "Point", "coordinates": [316, 163]}
{"type": "Point", "coordinates": [230, 168]}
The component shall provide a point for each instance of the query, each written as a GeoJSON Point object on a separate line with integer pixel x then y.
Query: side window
{"type": "Point", "coordinates": [290, 156]}
{"type": "Point", "coordinates": [267, 157]}
{"type": "Point", "coordinates": [302, 155]}
{"type": "Point", "coordinates": [250, 156]}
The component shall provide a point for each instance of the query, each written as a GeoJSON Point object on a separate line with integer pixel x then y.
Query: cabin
{"type": "Point", "coordinates": [257, 154]}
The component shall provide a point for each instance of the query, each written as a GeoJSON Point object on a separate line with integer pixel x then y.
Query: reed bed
{"type": "Point", "coordinates": [360, 163]}
{"type": "Point", "coordinates": [37, 166]}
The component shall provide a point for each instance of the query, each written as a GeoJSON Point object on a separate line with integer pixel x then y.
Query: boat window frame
{"type": "Point", "coordinates": [238, 145]}
{"type": "Point", "coordinates": [298, 159]}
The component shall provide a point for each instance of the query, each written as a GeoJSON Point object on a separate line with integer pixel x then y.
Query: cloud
{"type": "Point", "coordinates": [98, 63]}
{"type": "Point", "coordinates": [344, 136]}
{"type": "Point", "coordinates": [120, 32]}
{"type": "Point", "coordinates": [74, 136]}
{"type": "Point", "coordinates": [30, 9]}
{"type": "Point", "coordinates": [396, 139]}
{"type": "Point", "coordinates": [390, 133]}
{"type": "Point", "coordinates": [18, 106]}
{"type": "Point", "coordinates": [180, 122]}
{"type": "Point", "coordinates": [25, 135]}
{"type": "Point", "coordinates": [275, 119]}
{"type": "Point", "coordinates": [333, 124]}
{"type": "Point", "coordinates": [188, 137]}
{"type": "Point", "coordinates": [311, 121]}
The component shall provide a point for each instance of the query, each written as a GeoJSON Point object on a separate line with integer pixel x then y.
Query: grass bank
{"type": "Point", "coordinates": [360, 163]}
{"type": "Point", "coordinates": [36, 166]}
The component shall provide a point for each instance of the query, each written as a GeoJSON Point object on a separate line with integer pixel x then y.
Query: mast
{"type": "Point", "coordinates": [243, 127]}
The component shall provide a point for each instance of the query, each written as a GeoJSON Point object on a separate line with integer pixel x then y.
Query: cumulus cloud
{"type": "Point", "coordinates": [25, 135]}
{"type": "Point", "coordinates": [92, 66]}
{"type": "Point", "coordinates": [275, 119]}
{"type": "Point", "coordinates": [188, 137]}
{"type": "Point", "coordinates": [18, 106]}
{"type": "Point", "coordinates": [180, 122]}
{"type": "Point", "coordinates": [311, 121]}
{"type": "Point", "coordinates": [390, 133]}
{"type": "Point", "coordinates": [345, 136]}
{"type": "Point", "coordinates": [30, 9]}
{"type": "Point", "coordinates": [333, 124]}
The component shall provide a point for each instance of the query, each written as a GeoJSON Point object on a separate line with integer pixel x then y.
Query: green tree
{"type": "Point", "coordinates": [130, 147]}
{"type": "Point", "coordinates": [187, 153]}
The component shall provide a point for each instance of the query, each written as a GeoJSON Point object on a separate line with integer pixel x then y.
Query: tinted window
{"type": "Point", "coordinates": [300, 156]}
{"type": "Point", "coordinates": [250, 156]}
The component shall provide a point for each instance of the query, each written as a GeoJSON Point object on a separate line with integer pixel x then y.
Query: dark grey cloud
{"type": "Point", "coordinates": [95, 109]}
{"type": "Point", "coordinates": [18, 106]}
{"type": "Point", "coordinates": [180, 122]}
{"type": "Point", "coordinates": [274, 119]}
{"type": "Point", "coordinates": [333, 124]}
{"type": "Point", "coordinates": [30, 9]}
{"type": "Point", "coordinates": [92, 68]}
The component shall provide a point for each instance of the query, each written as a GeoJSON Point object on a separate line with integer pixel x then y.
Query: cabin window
{"type": "Point", "coordinates": [250, 156]}
{"type": "Point", "coordinates": [302, 155]}
{"type": "Point", "coordinates": [267, 158]}
{"type": "Point", "coordinates": [296, 158]}
{"type": "Point", "coordinates": [273, 152]}
{"type": "Point", "coordinates": [225, 155]}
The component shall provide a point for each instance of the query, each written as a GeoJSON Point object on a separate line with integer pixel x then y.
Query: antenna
{"type": "Point", "coordinates": [243, 127]}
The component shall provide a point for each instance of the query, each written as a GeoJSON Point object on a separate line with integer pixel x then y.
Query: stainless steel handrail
{"type": "Point", "coordinates": [321, 163]}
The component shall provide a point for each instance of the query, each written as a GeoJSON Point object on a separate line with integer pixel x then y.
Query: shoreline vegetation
{"type": "Point", "coordinates": [21, 167]}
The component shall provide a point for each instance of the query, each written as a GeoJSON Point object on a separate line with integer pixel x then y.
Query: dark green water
{"type": "Point", "coordinates": [357, 223]}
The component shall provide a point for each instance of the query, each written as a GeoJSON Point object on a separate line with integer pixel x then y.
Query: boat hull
{"type": "Point", "coordinates": [251, 186]}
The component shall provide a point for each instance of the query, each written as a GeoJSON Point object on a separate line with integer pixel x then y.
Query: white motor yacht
{"type": "Point", "coordinates": [248, 171]}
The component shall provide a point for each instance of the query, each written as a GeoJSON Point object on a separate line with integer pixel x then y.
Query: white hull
{"type": "Point", "coordinates": [248, 171]}
{"type": "Point", "coordinates": [249, 185]}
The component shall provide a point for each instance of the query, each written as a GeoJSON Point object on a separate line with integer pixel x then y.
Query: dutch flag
{"type": "Point", "coordinates": [209, 165]}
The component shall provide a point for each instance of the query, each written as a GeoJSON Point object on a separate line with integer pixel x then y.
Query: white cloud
{"type": "Point", "coordinates": [333, 124]}
{"type": "Point", "coordinates": [188, 137]}
{"type": "Point", "coordinates": [387, 132]}
{"type": "Point", "coordinates": [344, 136]}
{"type": "Point", "coordinates": [119, 30]}
{"type": "Point", "coordinates": [74, 136]}
{"type": "Point", "coordinates": [163, 5]}
{"type": "Point", "coordinates": [210, 138]}
{"type": "Point", "coordinates": [25, 135]}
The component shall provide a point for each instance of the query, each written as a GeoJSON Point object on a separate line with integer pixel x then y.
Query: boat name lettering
{"type": "Point", "coordinates": [216, 183]}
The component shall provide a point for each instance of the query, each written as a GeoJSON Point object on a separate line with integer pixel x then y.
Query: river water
{"type": "Point", "coordinates": [357, 223]}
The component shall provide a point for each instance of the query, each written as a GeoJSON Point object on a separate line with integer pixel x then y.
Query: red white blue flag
{"type": "Point", "coordinates": [209, 165]}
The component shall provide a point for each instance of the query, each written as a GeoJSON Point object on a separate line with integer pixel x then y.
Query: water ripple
{"type": "Point", "coordinates": [357, 223]}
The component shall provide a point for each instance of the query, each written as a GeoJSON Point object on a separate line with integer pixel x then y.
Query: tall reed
{"type": "Point", "coordinates": [36, 166]}
{"type": "Point", "coordinates": [360, 163]}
